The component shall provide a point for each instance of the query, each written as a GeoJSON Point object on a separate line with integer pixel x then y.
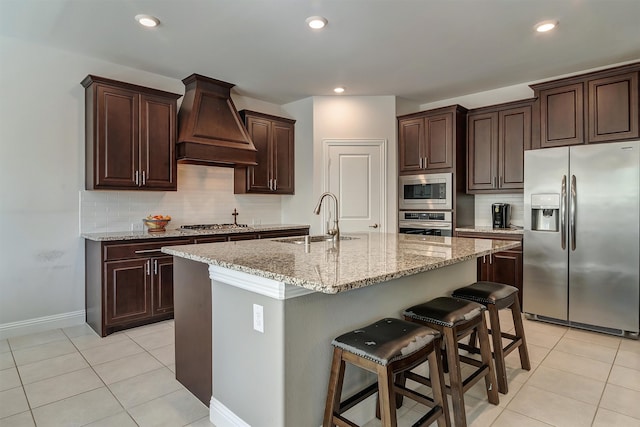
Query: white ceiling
{"type": "Point", "coordinates": [422, 50]}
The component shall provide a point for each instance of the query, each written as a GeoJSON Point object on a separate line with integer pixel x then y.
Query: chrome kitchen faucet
{"type": "Point", "coordinates": [335, 232]}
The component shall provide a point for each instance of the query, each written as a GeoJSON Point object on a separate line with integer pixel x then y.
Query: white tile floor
{"type": "Point", "coordinates": [72, 377]}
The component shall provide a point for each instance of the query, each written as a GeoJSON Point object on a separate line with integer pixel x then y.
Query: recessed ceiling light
{"type": "Point", "coordinates": [316, 22]}
{"type": "Point", "coordinates": [544, 26]}
{"type": "Point", "coordinates": [339, 89]}
{"type": "Point", "coordinates": [147, 21]}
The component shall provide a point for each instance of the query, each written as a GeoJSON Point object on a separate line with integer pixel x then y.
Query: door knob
{"type": "Point", "coordinates": [373, 226]}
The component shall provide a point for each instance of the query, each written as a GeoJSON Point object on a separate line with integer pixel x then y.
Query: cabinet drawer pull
{"type": "Point", "coordinates": [148, 251]}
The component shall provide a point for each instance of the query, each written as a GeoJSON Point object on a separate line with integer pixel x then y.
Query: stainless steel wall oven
{"type": "Point", "coordinates": [432, 223]}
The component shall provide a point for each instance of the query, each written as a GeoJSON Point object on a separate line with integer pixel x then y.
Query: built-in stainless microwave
{"type": "Point", "coordinates": [426, 191]}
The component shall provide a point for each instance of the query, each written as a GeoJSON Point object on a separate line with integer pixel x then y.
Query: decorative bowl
{"type": "Point", "coordinates": [155, 224]}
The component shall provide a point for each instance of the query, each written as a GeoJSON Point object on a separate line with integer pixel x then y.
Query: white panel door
{"type": "Point", "coordinates": [355, 174]}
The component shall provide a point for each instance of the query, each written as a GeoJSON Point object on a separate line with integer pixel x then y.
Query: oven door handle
{"type": "Point", "coordinates": [424, 225]}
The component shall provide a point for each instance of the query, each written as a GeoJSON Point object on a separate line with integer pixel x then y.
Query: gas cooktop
{"type": "Point", "coordinates": [213, 226]}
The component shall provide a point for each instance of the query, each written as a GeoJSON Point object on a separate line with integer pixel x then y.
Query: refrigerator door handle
{"type": "Point", "coordinates": [572, 212]}
{"type": "Point", "coordinates": [563, 209]}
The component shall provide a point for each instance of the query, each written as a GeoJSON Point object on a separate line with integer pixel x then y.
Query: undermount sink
{"type": "Point", "coordinates": [299, 240]}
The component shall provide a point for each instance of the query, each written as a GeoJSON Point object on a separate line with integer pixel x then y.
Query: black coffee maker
{"type": "Point", "coordinates": [501, 215]}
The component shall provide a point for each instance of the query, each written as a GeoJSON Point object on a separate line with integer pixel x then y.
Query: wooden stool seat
{"type": "Point", "coordinates": [387, 348]}
{"type": "Point", "coordinates": [455, 319]}
{"type": "Point", "coordinates": [497, 296]}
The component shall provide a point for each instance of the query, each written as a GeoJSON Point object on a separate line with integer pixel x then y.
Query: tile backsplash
{"type": "Point", "coordinates": [483, 204]}
{"type": "Point", "coordinates": [204, 196]}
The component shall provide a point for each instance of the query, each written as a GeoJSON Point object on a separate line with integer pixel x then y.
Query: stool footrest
{"type": "Point", "coordinates": [414, 395]}
{"type": "Point", "coordinates": [341, 421]}
{"type": "Point", "coordinates": [470, 361]}
{"type": "Point", "coordinates": [469, 348]}
{"type": "Point", "coordinates": [429, 417]}
{"type": "Point", "coordinates": [472, 379]}
{"type": "Point", "coordinates": [511, 346]}
{"type": "Point", "coordinates": [358, 397]}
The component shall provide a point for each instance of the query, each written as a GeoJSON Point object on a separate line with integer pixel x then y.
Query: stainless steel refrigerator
{"type": "Point", "coordinates": [581, 236]}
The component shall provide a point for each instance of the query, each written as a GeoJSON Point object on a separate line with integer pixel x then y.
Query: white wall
{"type": "Point", "coordinates": [42, 182]}
{"type": "Point", "coordinates": [298, 209]}
{"type": "Point", "coordinates": [337, 117]}
{"type": "Point", "coordinates": [356, 117]}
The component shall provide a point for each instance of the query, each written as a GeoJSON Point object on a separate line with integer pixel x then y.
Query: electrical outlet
{"type": "Point", "coordinates": [136, 226]}
{"type": "Point", "coordinates": [258, 318]}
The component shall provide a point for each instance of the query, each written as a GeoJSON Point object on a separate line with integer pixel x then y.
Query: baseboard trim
{"type": "Point", "coordinates": [40, 324]}
{"type": "Point", "coordinates": [221, 416]}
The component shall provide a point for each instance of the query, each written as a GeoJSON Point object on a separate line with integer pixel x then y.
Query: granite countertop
{"type": "Point", "coordinates": [490, 229]}
{"type": "Point", "coordinates": [326, 267]}
{"type": "Point", "coordinates": [177, 232]}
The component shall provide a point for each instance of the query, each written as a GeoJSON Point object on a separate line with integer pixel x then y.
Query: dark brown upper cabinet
{"type": "Point", "coordinates": [427, 140]}
{"type": "Point", "coordinates": [130, 136]}
{"type": "Point", "coordinates": [589, 108]}
{"type": "Point", "coordinates": [497, 137]}
{"type": "Point", "coordinates": [273, 137]}
{"type": "Point", "coordinates": [613, 108]}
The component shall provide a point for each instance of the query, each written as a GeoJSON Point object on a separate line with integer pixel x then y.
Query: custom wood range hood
{"type": "Point", "coordinates": [210, 131]}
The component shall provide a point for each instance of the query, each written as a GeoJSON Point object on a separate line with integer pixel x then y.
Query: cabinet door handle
{"type": "Point", "coordinates": [275, 184]}
{"type": "Point", "coordinates": [144, 178]}
{"type": "Point", "coordinates": [495, 182]}
{"type": "Point", "coordinates": [500, 182]}
{"type": "Point", "coordinates": [137, 175]}
{"type": "Point", "coordinates": [426, 162]}
{"type": "Point", "coordinates": [484, 259]}
{"type": "Point", "coordinates": [270, 184]}
{"type": "Point", "coordinates": [155, 266]}
{"type": "Point", "coordinates": [491, 259]}
{"type": "Point", "coordinates": [148, 267]}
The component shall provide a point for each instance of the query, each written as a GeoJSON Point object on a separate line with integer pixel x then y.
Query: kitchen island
{"type": "Point", "coordinates": [308, 294]}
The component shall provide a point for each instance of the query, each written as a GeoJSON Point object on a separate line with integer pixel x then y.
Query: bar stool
{"type": "Point", "coordinates": [456, 319]}
{"type": "Point", "coordinates": [387, 348]}
{"type": "Point", "coordinates": [497, 296]}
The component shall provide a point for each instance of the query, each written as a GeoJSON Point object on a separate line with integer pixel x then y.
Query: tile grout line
{"type": "Point", "coordinates": [126, 410]}
{"type": "Point", "coordinates": [525, 383]}
{"type": "Point", "coordinates": [99, 377]}
{"type": "Point", "coordinates": [24, 393]}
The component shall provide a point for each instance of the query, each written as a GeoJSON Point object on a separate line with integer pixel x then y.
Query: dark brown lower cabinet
{"type": "Point", "coordinates": [133, 286]}
{"type": "Point", "coordinates": [128, 291]}
{"type": "Point", "coordinates": [129, 283]}
{"type": "Point", "coordinates": [502, 267]}
{"type": "Point", "coordinates": [138, 289]}
{"type": "Point", "coordinates": [162, 284]}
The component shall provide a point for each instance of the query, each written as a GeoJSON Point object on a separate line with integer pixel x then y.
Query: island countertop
{"type": "Point", "coordinates": [328, 267]}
